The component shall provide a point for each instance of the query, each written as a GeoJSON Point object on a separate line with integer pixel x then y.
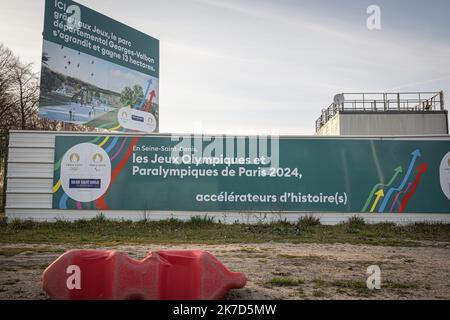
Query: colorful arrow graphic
{"type": "Point", "coordinates": [149, 104]}
{"type": "Point", "coordinates": [415, 154]}
{"type": "Point", "coordinates": [379, 194]}
{"type": "Point", "coordinates": [397, 171]}
{"type": "Point", "coordinates": [139, 106]}
{"type": "Point", "coordinates": [398, 195]}
{"type": "Point", "coordinates": [100, 202]}
{"type": "Point", "coordinates": [421, 169]}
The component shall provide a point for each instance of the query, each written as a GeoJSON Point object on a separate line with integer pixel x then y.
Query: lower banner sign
{"type": "Point", "coordinates": [226, 173]}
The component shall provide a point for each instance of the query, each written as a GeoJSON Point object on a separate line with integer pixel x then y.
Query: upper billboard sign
{"type": "Point", "coordinates": [97, 71]}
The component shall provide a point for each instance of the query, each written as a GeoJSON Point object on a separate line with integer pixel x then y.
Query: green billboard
{"type": "Point", "coordinates": [225, 173]}
{"type": "Point", "coordinates": [97, 71]}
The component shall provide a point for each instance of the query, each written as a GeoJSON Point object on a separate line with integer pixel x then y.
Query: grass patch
{"type": "Point", "coordinates": [288, 256]}
{"type": "Point", "coordinates": [307, 258]}
{"type": "Point", "coordinates": [343, 286]}
{"type": "Point", "coordinates": [17, 224]}
{"type": "Point", "coordinates": [359, 287]}
{"type": "Point", "coordinates": [399, 287]}
{"type": "Point", "coordinates": [281, 274]}
{"type": "Point", "coordinates": [283, 282]}
{"type": "Point", "coordinates": [319, 283]}
{"type": "Point", "coordinates": [248, 250]}
{"type": "Point", "coordinates": [103, 232]}
{"type": "Point", "coordinates": [301, 292]}
{"type": "Point", "coordinates": [199, 221]}
{"type": "Point", "coordinates": [9, 252]}
{"type": "Point", "coordinates": [41, 267]}
{"type": "Point", "coordinates": [10, 282]}
{"type": "Point", "coordinates": [258, 256]}
{"type": "Point", "coordinates": [319, 294]}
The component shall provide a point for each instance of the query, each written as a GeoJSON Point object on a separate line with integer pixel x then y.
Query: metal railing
{"type": "Point", "coordinates": [382, 102]}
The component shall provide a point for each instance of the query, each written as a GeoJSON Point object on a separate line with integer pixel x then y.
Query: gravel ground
{"type": "Point", "coordinates": [274, 270]}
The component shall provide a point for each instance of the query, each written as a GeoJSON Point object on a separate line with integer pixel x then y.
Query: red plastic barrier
{"type": "Point", "coordinates": [162, 275]}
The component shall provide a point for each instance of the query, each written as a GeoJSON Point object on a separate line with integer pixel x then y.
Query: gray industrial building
{"type": "Point", "coordinates": [384, 114]}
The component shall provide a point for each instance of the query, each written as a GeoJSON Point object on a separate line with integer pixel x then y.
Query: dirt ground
{"type": "Point", "coordinates": [274, 270]}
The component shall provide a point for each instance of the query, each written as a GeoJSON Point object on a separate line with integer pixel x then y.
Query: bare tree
{"type": "Point", "coordinates": [27, 93]}
{"type": "Point", "coordinates": [19, 97]}
{"type": "Point", "coordinates": [19, 92]}
{"type": "Point", "coordinates": [8, 63]}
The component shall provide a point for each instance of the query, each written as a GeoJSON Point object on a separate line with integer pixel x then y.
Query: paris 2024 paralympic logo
{"type": "Point", "coordinates": [85, 172]}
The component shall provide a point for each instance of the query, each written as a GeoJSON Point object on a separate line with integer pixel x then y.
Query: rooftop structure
{"type": "Point", "coordinates": [402, 113]}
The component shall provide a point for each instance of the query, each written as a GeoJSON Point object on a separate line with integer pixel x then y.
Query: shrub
{"type": "Point", "coordinates": [355, 222]}
{"type": "Point", "coordinates": [308, 221]}
{"type": "Point", "coordinates": [17, 224]}
{"type": "Point", "coordinates": [201, 221]}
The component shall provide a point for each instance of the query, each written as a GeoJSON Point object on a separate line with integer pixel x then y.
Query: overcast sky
{"type": "Point", "coordinates": [230, 66]}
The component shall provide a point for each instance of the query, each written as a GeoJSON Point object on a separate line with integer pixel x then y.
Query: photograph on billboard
{"type": "Point", "coordinates": [97, 72]}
